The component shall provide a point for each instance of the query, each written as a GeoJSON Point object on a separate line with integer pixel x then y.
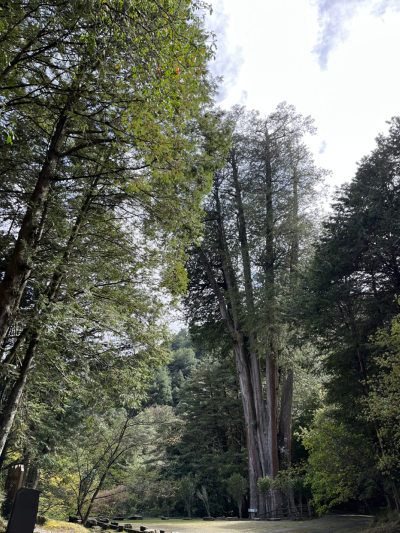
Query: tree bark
{"type": "Point", "coordinates": [52, 292]}
{"type": "Point", "coordinates": [19, 267]}
{"type": "Point", "coordinates": [268, 462]}
{"type": "Point", "coordinates": [271, 355]}
{"type": "Point", "coordinates": [285, 420]}
{"type": "Point", "coordinates": [10, 411]}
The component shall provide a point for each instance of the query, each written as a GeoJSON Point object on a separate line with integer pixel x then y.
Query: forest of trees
{"type": "Point", "coordinates": [126, 194]}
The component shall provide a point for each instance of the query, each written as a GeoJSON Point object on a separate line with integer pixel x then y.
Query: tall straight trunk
{"type": "Point", "coordinates": [11, 408]}
{"type": "Point", "coordinates": [19, 267]}
{"type": "Point", "coordinates": [285, 419]}
{"type": "Point", "coordinates": [245, 382]}
{"type": "Point", "coordinates": [271, 363]}
{"type": "Point", "coordinates": [268, 462]}
{"type": "Point", "coordinates": [257, 428]}
{"type": "Point", "coordinates": [261, 443]}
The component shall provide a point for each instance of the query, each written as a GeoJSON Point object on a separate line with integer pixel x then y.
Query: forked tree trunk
{"type": "Point", "coordinates": [265, 408]}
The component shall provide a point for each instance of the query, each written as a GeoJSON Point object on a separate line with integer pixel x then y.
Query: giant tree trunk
{"type": "Point", "coordinates": [266, 424]}
{"type": "Point", "coordinates": [260, 427]}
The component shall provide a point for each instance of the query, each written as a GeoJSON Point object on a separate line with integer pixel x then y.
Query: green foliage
{"type": "Point", "coordinates": [212, 442]}
{"type": "Point", "coordinates": [264, 485]}
{"type": "Point", "coordinates": [349, 292]}
{"type": "Point", "coordinates": [338, 460]}
{"type": "Point", "coordinates": [350, 287]}
{"type": "Point", "coordinates": [117, 127]}
{"type": "Point", "coordinates": [384, 396]}
{"type": "Point", "coordinates": [237, 488]}
{"type": "Point", "coordinates": [186, 491]}
{"type": "Point", "coordinates": [169, 379]}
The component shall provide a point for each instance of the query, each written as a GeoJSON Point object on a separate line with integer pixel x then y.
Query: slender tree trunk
{"type": "Point", "coordinates": [9, 359]}
{"type": "Point", "coordinates": [10, 410]}
{"type": "Point", "coordinates": [114, 456]}
{"type": "Point", "coordinates": [285, 420]}
{"type": "Point", "coordinates": [99, 486]}
{"type": "Point", "coordinates": [19, 267]}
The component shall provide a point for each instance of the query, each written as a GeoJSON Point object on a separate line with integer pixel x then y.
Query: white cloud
{"type": "Point", "coordinates": [335, 17]}
{"type": "Point", "coordinates": [350, 101]}
{"type": "Point", "coordinates": [229, 57]}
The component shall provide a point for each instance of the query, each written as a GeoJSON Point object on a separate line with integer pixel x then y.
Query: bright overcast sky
{"type": "Point", "coordinates": [336, 60]}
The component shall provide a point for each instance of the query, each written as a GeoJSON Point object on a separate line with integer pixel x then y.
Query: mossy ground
{"type": "Point", "coordinates": [62, 527]}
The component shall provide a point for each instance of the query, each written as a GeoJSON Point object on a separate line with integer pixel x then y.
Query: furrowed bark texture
{"type": "Point", "coordinates": [261, 444]}
{"type": "Point", "coordinates": [266, 423]}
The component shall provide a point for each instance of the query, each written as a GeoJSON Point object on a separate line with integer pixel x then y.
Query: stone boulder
{"type": "Point", "coordinates": [73, 518]}
{"type": "Point", "coordinates": [91, 522]}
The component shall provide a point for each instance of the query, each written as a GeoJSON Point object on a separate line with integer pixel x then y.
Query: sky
{"type": "Point", "coordinates": [336, 60]}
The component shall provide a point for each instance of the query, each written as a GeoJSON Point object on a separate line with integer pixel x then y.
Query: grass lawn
{"type": "Point", "coordinates": [345, 524]}
{"type": "Point", "coordinates": [328, 524]}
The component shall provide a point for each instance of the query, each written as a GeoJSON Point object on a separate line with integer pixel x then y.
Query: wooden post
{"type": "Point", "coordinates": [13, 484]}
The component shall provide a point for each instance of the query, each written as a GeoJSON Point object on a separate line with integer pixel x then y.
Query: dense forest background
{"type": "Point", "coordinates": [127, 194]}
